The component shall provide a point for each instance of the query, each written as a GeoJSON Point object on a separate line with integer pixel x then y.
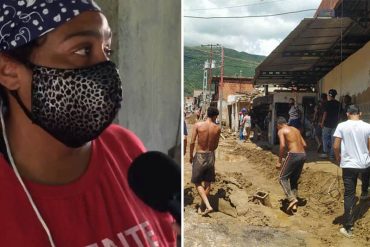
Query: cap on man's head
{"type": "Point", "coordinates": [332, 93]}
{"type": "Point", "coordinates": [244, 110]}
{"type": "Point", "coordinates": [22, 21]}
{"type": "Point", "coordinates": [353, 110]}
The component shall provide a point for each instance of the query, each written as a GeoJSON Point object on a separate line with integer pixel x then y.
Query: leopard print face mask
{"type": "Point", "coordinates": [74, 105]}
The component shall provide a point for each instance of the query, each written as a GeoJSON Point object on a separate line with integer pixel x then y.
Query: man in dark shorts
{"type": "Point", "coordinates": [203, 161]}
{"type": "Point", "coordinates": [292, 140]}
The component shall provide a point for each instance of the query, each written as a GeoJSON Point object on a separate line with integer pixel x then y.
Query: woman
{"type": "Point", "coordinates": [241, 127]}
{"type": "Point", "coordinates": [247, 123]}
{"type": "Point", "coordinates": [63, 168]}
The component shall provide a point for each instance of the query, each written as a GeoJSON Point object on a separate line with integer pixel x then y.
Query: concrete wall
{"type": "Point", "coordinates": [148, 53]}
{"type": "Point", "coordinates": [352, 77]}
{"type": "Point", "coordinates": [283, 97]}
{"type": "Point", "coordinates": [223, 117]}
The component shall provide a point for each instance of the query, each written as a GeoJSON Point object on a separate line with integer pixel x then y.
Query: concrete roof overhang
{"type": "Point", "coordinates": [311, 50]}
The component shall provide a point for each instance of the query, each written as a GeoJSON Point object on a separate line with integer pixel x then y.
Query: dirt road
{"type": "Point", "coordinates": [243, 169]}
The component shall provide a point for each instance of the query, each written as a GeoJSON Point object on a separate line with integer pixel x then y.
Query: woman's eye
{"type": "Point", "coordinates": [83, 52]}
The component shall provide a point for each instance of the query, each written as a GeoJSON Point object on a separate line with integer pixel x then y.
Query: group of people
{"type": "Point", "coordinates": [348, 142]}
{"type": "Point", "coordinates": [245, 124]}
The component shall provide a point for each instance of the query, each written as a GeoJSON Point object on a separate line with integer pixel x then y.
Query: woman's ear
{"type": "Point", "coordinates": [10, 72]}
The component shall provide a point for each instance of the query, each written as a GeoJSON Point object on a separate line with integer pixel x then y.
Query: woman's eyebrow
{"type": "Point", "coordinates": [89, 33]}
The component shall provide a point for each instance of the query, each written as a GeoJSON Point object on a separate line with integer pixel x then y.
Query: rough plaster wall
{"type": "Point", "coordinates": [352, 76]}
{"type": "Point", "coordinates": [150, 62]}
{"type": "Point", "coordinates": [147, 45]}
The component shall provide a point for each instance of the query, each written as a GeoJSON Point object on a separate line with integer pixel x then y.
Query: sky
{"type": "Point", "coordinates": [252, 35]}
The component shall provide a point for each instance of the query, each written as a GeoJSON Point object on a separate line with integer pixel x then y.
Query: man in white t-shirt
{"type": "Point", "coordinates": [351, 149]}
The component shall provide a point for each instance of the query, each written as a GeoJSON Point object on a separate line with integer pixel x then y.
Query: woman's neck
{"type": "Point", "coordinates": [41, 158]}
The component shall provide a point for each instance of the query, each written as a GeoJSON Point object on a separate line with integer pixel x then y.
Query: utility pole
{"type": "Point", "coordinates": [221, 84]}
{"type": "Point", "coordinates": [211, 64]}
{"type": "Point", "coordinates": [210, 70]}
{"type": "Point", "coordinates": [205, 82]}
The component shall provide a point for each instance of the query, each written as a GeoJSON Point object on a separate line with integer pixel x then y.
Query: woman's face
{"type": "Point", "coordinates": [81, 42]}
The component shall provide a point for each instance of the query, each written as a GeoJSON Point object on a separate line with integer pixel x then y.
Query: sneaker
{"type": "Point", "coordinates": [364, 196]}
{"type": "Point", "coordinates": [348, 233]}
{"type": "Point", "coordinates": [323, 156]}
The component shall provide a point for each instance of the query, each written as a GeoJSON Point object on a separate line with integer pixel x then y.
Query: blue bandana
{"type": "Point", "coordinates": [22, 21]}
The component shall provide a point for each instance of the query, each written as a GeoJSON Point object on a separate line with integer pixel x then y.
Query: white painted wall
{"type": "Point", "coordinates": [352, 77]}
{"type": "Point", "coordinates": [283, 97]}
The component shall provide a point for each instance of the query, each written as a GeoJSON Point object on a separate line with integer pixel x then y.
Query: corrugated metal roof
{"type": "Point", "coordinates": [311, 50]}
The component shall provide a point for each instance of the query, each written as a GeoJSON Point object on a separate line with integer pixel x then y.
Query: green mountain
{"type": "Point", "coordinates": [236, 63]}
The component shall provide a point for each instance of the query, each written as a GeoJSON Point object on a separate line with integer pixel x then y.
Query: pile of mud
{"type": "Point", "coordinates": [232, 195]}
{"type": "Point", "coordinates": [322, 190]}
{"type": "Point", "coordinates": [191, 119]}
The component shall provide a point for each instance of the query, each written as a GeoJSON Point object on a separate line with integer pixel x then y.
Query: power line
{"type": "Point", "coordinates": [226, 65]}
{"type": "Point", "coordinates": [247, 16]}
{"type": "Point", "coordinates": [236, 6]}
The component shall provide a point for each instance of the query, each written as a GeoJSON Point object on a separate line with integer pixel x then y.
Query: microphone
{"type": "Point", "coordinates": [156, 179]}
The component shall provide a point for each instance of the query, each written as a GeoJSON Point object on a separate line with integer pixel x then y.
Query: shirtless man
{"type": "Point", "coordinates": [290, 139]}
{"type": "Point", "coordinates": [203, 172]}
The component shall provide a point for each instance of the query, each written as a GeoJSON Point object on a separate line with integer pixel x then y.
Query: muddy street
{"type": "Point", "coordinates": [244, 218]}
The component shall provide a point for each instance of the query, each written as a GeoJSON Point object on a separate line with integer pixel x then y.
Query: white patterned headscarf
{"type": "Point", "coordinates": [22, 21]}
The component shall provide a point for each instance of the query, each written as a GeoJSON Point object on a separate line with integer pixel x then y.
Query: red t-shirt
{"type": "Point", "coordinates": [99, 209]}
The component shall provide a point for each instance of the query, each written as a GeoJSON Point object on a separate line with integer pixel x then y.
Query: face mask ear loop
{"type": "Point", "coordinates": [20, 179]}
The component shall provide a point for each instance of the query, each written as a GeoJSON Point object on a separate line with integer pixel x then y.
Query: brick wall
{"type": "Point", "coordinates": [233, 88]}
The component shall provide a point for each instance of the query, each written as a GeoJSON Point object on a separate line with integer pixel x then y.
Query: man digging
{"type": "Point", "coordinates": [203, 172]}
{"type": "Point", "coordinates": [292, 140]}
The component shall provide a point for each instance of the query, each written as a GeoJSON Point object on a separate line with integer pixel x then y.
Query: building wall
{"type": "Point", "coordinates": [233, 88]}
{"type": "Point", "coordinates": [326, 5]}
{"type": "Point", "coordinates": [230, 87]}
{"type": "Point", "coordinates": [148, 53]}
{"type": "Point", "coordinates": [223, 117]}
{"type": "Point", "coordinates": [352, 77]}
{"type": "Point", "coordinates": [283, 97]}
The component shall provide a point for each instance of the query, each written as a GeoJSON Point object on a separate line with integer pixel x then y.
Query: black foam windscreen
{"type": "Point", "coordinates": [156, 179]}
